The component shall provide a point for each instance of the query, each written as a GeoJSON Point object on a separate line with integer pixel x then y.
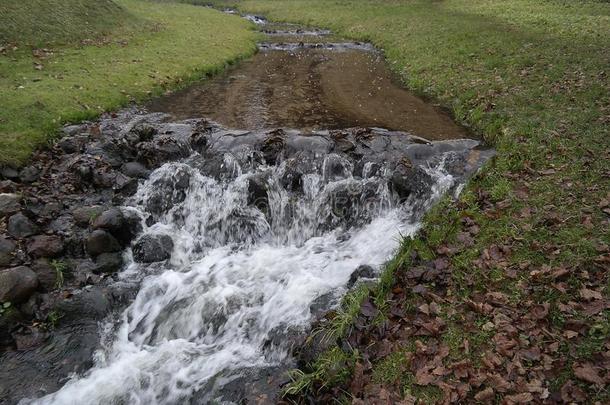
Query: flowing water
{"type": "Point", "coordinates": [266, 224]}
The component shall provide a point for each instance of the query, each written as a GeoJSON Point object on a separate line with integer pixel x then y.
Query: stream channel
{"type": "Point", "coordinates": [311, 164]}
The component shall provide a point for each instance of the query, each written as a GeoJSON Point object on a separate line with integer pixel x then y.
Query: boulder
{"type": "Point", "coordinates": [408, 179]}
{"type": "Point", "coordinates": [100, 241]}
{"type": "Point", "coordinates": [108, 263]}
{"type": "Point", "coordinates": [136, 170]}
{"type": "Point", "coordinates": [45, 246]}
{"type": "Point", "coordinates": [21, 226]}
{"type": "Point", "coordinates": [124, 227]}
{"type": "Point", "coordinates": [7, 247]}
{"type": "Point", "coordinates": [153, 248]}
{"type": "Point", "coordinates": [9, 204]}
{"type": "Point", "coordinates": [17, 284]}
{"type": "Point", "coordinates": [83, 216]}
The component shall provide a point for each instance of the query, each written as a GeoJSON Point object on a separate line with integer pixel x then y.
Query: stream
{"type": "Point", "coordinates": [256, 231]}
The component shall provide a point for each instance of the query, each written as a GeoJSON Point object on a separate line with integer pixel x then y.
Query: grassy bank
{"type": "Point", "coordinates": [504, 295]}
{"type": "Point", "coordinates": [143, 50]}
{"type": "Point", "coordinates": [40, 23]}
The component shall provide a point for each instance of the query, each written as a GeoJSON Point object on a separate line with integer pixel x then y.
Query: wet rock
{"type": "Point", "coordinates": [29, 174]}
{"type": "Point", "coordinates": [168, 191]}
{"type": "Point", "coordinates": [320, 306]}
{"type": "Point", "coordinates": [21, 226]}
{"type": "Point", "coordinates": [162, 149]}
{"type": "Point", "coordinates": [90, 303]}
{"type": "Point", "coordinates": [257, 192]}
{"type": "Point", "coordinates": [7, 249]}
{"type": "Point", "coordinates": [144, 131]}
{"type": "Point", "coordinates": [85, 215]}
{"type": "Point", "coordinates": [100, 241]}
{"type": "Point", "coordinates": [29, 339]}
{"type": "Point", "coordinates": [47, 274]}
{"type": "Point", "coordinates": [9, 204]}
{"type": "Point", "coordinates": [17, 284]}
{"type": "Point", "coordinates": [273, 146]}
{"type": "Point", "coordinates": [108, 263]}
{"type": "Point", "coordinates": [45, 246]}
{"type": "Point", "coordinates": [291, 179]}
{"type": "Point", "coordinates": [408, 179]}
{"type": "Point", "coordinates": [122, 227]}
{"type": "Point", "coordinates": [135, 169]}
{"type": "Point", "coordinates": [153, 248]}
{"type": "Point", "coordinates": [363, 271]}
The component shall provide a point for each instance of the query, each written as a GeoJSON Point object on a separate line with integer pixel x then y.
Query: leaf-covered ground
{"type": "Point", "coordinates": [79, 68]}
{"type": "Point", "coordinates": [504, 297]}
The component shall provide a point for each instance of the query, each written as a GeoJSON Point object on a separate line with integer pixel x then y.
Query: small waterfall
{"type": "Point", "coordinates": [254, 245]}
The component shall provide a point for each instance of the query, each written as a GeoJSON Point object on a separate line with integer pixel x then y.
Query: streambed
{"type": "Point", "coordinates": [243, 236]}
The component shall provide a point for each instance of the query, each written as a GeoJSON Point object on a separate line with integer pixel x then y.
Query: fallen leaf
{"type": "Point", "coordinates": [588, 373]}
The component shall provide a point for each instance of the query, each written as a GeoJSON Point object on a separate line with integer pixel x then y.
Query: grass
{"type": "Point", "coordinates": [41, 23]}
{"type": "Point", "coordinates": [531, 78]}
{"type": "Point", "coordinates": [166, 46]}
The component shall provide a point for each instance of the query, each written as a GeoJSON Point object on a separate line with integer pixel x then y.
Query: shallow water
{"type": "Point", "coordinates": [310, 81]}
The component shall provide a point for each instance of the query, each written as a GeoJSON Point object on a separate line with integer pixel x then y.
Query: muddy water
{"type": "Point", "coordinates": [307, 79]}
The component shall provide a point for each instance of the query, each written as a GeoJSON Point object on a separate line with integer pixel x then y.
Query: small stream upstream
{"type": "Point", "coordinates": [259, 230]}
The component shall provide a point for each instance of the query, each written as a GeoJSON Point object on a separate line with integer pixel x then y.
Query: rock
{"type": "Point", "coordinates": [153, 248]}
{"type": "Point", "coordinates": [29, 174]}
{"type": "Point", "coordinates": [47, 274]}
{"type": "Point", "coordinates": [162, 149]}
{"type": "Point", "coordinates": [7, 247]}
{"type": "Point", "coordinates": [69, 145]}
{"type": "Point", "coordinates": [144, 131]}
{"type": "Point", "coordinates": [121, 226]}
{"type": "Point", "coordinates": [108, 263]}
{"type": "Point", "coordinates": [33, 338]}
{"type": "Point", "coordinates": [257, 192]}
{"type": "Point", "coordinates": [9, 173]}
{"type": "Point", "coordinates": [136, 170]}
{"type": "Point", "coordinates": [99, 242]}
{"type": "Point", "coordinates": [9, 321]}
{"type": "Point", "coordinates": [363, 271]}
{"type": "Point", "coordinates": [9, 204]}
{"type": "Point", "coordinates": [45, 246]}
{"type": "Point", "coordinates": [86, 304]}
{"type": "Point", "coordinates": [168, 191]}
{"type": "Point", "coordinates": [7, 186]}
{"type": "Point", "coordinates": [21, 226]}
{"type": "Point", "coordinates": [17, 284]}
{"type": "Point", "coordinates": [273, 146]}
{"type": "Point", "coordinates": [407, 180]}
{"type": "Point", "coordinates": [62, 225]}
{"type": "Point", "coordinates": [83, 216]}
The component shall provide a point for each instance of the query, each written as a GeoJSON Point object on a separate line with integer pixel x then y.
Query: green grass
{"type": "Point", "coordinates": [173, 45]}
{"type": "Point", "coordinates": [531, 78]}
{"type": "Point", "coordinates": [44, 22]}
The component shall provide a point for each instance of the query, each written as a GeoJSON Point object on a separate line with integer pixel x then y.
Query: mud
{"type": "Point", "coordinates": [305, 78]}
